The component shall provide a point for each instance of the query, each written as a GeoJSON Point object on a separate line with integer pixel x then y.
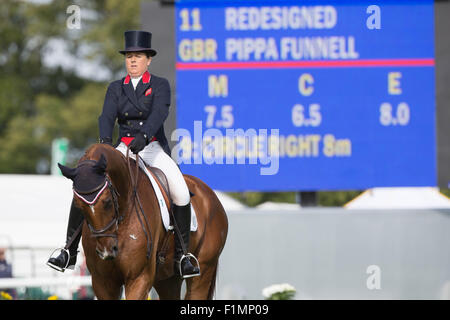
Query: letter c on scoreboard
{"type": "Point", "coordinates": [305, 84]}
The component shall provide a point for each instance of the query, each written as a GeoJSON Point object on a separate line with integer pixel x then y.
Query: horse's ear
{"type": "Point", "coordinates": [100, 166]}
{"type": "Point", "coordinates": [68, 172]}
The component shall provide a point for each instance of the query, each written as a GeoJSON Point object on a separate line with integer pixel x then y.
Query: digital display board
{"type": "Point", "coordinates": [310, 95]}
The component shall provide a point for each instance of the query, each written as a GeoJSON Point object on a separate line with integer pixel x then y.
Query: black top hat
{"type": "Point", "coordinates": [138, 41]}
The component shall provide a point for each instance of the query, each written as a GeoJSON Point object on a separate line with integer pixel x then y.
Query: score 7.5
{"type": "Point", "coordinates": [226, 116]}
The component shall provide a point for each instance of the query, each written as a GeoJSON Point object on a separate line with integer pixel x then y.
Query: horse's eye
{"type": "Point", "coordinates": [107, 204]}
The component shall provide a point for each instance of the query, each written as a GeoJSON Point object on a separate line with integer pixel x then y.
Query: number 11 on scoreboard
{"type": "Point", "coordinates": [190, 21]}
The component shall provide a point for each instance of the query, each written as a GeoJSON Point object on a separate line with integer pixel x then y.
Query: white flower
{"type": "Point", "coordinates": [268, 292]}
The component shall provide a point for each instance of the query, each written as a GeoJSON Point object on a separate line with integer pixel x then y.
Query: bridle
{"type": "Point", "coordinates": [98, 233]}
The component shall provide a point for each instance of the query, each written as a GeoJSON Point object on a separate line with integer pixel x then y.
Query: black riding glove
{"type": "Point", "coordinates": [139, 142]}
{"type": "Point", "coordinates": [106, 140]}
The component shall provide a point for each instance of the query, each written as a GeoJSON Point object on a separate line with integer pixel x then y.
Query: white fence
{"type": "Point", "coordinates": [30, 271]}
{"type": "Point", "coordinates": [73, 282]}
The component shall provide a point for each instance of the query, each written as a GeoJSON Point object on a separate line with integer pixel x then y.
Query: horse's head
{"type": "Point", "coordinates": [98, 199]}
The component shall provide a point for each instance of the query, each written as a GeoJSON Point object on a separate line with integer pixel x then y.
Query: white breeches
{"type": "Point", "coordinates": [154, 155]}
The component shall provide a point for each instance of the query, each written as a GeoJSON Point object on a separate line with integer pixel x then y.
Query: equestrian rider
{"type": "Point", "coordinates": [140, 102]}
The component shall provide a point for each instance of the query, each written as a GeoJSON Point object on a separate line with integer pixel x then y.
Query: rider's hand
{"type": "Point", "coordinates": [139, 142]}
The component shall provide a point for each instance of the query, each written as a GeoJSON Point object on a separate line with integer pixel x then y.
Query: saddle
{"type": "Point", "coordinates": [161, 179]}
{"type": "Point", "coordinates": [163, 185]}
{"type": "Point", "coordinates": [161, 182]}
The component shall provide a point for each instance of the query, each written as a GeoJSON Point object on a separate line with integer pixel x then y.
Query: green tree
{"type": "Point", "coordinates": [39, 103]}
{"type": "Point", "coordinates": [26, 30]}
{"type": "Point", "coordinates": [324, 198]}
{"type": "Point", "coordinates": [104, 29]}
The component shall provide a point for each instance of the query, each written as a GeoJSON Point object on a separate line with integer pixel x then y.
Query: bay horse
{"type": "Point", "coordinates": [126, 245]}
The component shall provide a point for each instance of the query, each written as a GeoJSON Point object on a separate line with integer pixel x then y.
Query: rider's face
{"type": "Point", "coordinates": [137, 63]}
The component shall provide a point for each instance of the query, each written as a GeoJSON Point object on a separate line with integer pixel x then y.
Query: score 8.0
{"type": "Point", "coordinates": [399, 116]}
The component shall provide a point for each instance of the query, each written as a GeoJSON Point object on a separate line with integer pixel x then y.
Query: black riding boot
{"type": "Point", "coordinates": [63, 261]}
{"type": "Point", "coordinates": [183, 264]}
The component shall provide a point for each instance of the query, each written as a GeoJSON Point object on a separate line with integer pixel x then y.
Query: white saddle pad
{"type": "Point", "coordinates": [162, 203]}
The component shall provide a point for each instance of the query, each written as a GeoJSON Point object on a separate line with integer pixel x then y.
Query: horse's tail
{"type": "Point", "coordinates": [212, 286]}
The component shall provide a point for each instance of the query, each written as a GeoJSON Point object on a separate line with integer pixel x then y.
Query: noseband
{"type": "Point", "coordinates": [97, 233]}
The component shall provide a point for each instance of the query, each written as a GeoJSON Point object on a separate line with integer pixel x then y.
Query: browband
{"type": "Point", "coordinates": [96, 197]}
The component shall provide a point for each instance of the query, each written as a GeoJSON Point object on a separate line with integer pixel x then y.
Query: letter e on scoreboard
{"type": "Point", "coordinates": [394, 87]}
{"type": "Point", "coordinates": [218, 86]}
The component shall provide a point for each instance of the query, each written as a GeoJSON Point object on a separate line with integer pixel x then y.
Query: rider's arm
{"type": "Point", "coordinates": [160, 109]}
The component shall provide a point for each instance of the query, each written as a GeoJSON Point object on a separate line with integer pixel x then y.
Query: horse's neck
{"type": "Point", "coordinates": [119, 175]}
{"type": "Point", "coordinates": [116, 167]}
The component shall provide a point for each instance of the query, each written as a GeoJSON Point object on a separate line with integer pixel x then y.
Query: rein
{"type": "Point", "coordinates": [137, 203]}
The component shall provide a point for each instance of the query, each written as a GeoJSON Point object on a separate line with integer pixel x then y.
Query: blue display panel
{"type": "Point", "coordinates": [312, 95]}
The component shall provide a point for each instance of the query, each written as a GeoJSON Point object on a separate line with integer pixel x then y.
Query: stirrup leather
{"type": "Point", "coordinates": [188, 255]}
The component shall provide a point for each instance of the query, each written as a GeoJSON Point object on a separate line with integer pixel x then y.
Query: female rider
{"type": "Point", "coordinates": [140, 102]}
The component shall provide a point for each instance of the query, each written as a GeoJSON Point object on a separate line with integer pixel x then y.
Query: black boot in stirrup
{"type": "Point", "coordinates": [183, 264]}
{"type": "Point", "coordinates": [68, 255]}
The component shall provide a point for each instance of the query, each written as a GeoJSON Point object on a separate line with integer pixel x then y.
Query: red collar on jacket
{"type": "Point", "coordinates": [145, 78]}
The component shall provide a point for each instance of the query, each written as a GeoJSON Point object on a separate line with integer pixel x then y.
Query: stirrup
{"type": "Point", "coordinates": [67, 263]}
{"type": "Point", "coordinates": [189, 255]}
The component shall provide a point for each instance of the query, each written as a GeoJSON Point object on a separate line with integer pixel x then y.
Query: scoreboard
{"type": "Point", "coordinates": [306, 95]}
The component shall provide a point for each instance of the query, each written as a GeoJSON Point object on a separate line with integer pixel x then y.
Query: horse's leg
{"type": "Point", "coordinates": [106, 289]}
{"type": "Point", "coordinates": [213, 222]}
{"type": "Point", "coordinates": [169, 289]}
{"type": "Point", "coordinates": [202, 288]}
{"type": "Point", "coordinates": [138, 289]}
